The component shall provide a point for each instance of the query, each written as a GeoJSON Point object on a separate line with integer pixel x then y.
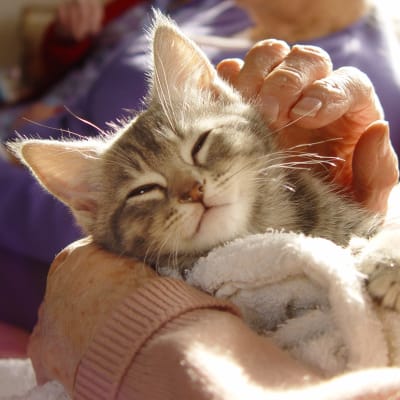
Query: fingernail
{"type": "Point", "coordinates": [307, 107]}
{"type": "Point", "coordinates": [270, 108]}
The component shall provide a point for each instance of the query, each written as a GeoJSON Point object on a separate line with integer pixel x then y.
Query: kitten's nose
{"type": "Point", "coordinates": [194, 195]}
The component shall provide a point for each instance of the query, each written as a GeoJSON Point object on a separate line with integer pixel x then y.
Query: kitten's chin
{"type": "Point", "coordinates": [217, 225]}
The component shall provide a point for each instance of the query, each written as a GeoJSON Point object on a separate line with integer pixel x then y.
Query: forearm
{"type": "Point", "coordinates": [197, 347]}
{"type": "Point", "coordinates": [181, 343]}
{"type": "Point", "coordinates": [210, 354]}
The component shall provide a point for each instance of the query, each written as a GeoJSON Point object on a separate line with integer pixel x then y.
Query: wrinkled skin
{"type": "Point", "coordinates": [304, 101]}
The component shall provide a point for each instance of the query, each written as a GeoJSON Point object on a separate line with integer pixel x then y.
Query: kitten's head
{"type": "Point", "coordinates": [181, 178]}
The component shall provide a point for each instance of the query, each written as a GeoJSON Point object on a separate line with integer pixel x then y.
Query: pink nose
{"type": "Point", "coordinates": [194, 195]}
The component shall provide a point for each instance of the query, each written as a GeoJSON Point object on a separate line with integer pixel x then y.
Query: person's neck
{"type": "Point", "coordinates": [301, 19]}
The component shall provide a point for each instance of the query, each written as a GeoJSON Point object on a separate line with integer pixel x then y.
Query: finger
{"type": "Point", "coordinates": [283, 87]}
{"type": "Point", "coordinates": [79, 19]}
{"type": "Point", "coordinates": [97, 14]}
{"type": "Point", "coordinates": [229, 69]}
{"type": "Point", "coordinates": [88, 11]}
{"type": "Point", "coordinates": [83, 8]}
{"type": "Point", "coordinates": [61, 13]}
{"type": "Point", "coordinates": [258, 63]}
{"type": "Point", "coordinates": [346, 91]}
{"type": "Point", "coordinates": [63, 20]}
{"type": "Point", "coordinates": [372, 185]}
{"type": "Point", "coordinates": [75, 22]}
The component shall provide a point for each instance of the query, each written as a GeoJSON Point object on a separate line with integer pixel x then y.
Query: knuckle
{"type": "Point", "coordinates": [287, 78]}
{"type": "Point", "coordinates": [267, 53]}
{"type": "Point", "coordinates": [272, 46]}
{"type": "Point", "coordinates": [313, 55]}
{"type": "Point", "coordinates": [354, 79]}
{"type": "Point", "coordinates": [329, 88]}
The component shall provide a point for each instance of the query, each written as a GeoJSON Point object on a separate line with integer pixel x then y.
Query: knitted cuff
{"type": "Point", "coordinates": [130, 326]}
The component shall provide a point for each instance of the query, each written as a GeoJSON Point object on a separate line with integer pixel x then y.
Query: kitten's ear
{"type": "Point", "coordinates": [65, 169]}
{"type": "Point", "coordinates": [178, 62]}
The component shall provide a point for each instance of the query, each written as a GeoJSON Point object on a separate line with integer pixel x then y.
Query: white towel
{"type": "Point", "coordinates": [308, 295]}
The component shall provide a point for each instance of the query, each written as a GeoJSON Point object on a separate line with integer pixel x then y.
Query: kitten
{"type": "Point", "coordinates": [196, 169]}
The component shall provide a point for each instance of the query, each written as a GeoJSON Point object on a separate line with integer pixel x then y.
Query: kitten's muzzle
{"type": "Point", "coordinates": [193, 195]}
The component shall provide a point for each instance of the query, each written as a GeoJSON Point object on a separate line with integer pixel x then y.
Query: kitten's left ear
{"type": "Point", "coordinates": [179, 63]}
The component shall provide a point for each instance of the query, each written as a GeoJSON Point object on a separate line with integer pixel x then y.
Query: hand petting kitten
{"type": "Point", "coordinates": [318, 105]}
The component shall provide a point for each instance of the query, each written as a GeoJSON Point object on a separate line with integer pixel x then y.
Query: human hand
{"type": "Point", "coordinates": [84, 284]}
{"type": "Point", "coordinates": [312, 109]}
{"type": "Point", "coordinates": [78, 19]}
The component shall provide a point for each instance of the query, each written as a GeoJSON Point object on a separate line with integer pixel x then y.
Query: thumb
{"type": "Point", "coordinates": [229, 69]}
{"type": "Point", "coordinates": [375, 167]}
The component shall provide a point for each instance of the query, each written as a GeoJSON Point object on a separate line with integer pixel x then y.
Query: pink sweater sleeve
{"type": "Point", "coordinates": [109, 369]}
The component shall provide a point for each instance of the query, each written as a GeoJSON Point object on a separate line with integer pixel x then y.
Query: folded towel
{"type": "Point", "coordinates": [308, 295]}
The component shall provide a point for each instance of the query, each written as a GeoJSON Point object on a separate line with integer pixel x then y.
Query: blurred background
{"type": "Point", "coordinates": [13, 15]}
{"type": "Point", "coordinates": [21, 18]}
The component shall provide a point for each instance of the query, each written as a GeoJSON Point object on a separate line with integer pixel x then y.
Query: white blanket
{"type": "Point", "coordinates": [307, 294]}
{"type": "Point", "coordinates": [17, 382]}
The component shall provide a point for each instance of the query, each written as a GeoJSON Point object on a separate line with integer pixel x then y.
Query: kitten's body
{"type": "Point", "coordinates": [198, 168]}
{"type": "Point", "coordinates": [246, 187]}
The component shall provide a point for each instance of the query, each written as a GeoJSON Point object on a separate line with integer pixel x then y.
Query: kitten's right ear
{"type": "Point", "coordinates": [179, 64]}
{"type": "Point", "coordinates": [65, 169]}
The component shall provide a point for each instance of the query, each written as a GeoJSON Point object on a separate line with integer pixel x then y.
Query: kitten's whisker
{"type": "Point", "coordinates": [291, 164]}
{"type": "Point", "coordinates": [172, 258]}
{"type": "Point", "coordinates": [335, 139]}
{"type": "Point", "coordinates": [246, 167]}
{"type": "Point", "coordinates": [85, 121]}
{"type": "Point", "coordinates": [306, 159]}
{"type": "Point", "coordinates": [161, 246]}
{"type": "Point", "coordinates": [61, 130]}
{"type": "Point", "coordinates": [287, 153]}
{"type": "Point", "coordinates": [147, 252]}
{"type": "Point", "coordinates": [311, 112]}
{"type": "Point", "coordinates": [175, 253]}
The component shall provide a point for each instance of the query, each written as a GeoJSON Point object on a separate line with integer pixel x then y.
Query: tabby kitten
{"type": "Point", "coordinates": [193, 171]}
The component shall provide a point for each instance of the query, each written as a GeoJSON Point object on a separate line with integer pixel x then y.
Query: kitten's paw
{"type": "Point", "coordinates": [384, 284]}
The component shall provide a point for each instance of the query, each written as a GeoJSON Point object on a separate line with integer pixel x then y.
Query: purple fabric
{"type": "Point", "coordinates": [34, 226]}
{"type": "Point", "coordinates": [22, 283]}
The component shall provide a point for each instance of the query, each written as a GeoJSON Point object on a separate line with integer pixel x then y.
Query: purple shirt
{"type": "Point", "coordinates": [34, 226]}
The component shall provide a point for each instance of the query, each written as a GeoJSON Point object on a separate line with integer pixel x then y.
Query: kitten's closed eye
{"type": "Point", "coordinates": [144, 189]}
{"type": "Point", "coordinates": [198, 146]}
